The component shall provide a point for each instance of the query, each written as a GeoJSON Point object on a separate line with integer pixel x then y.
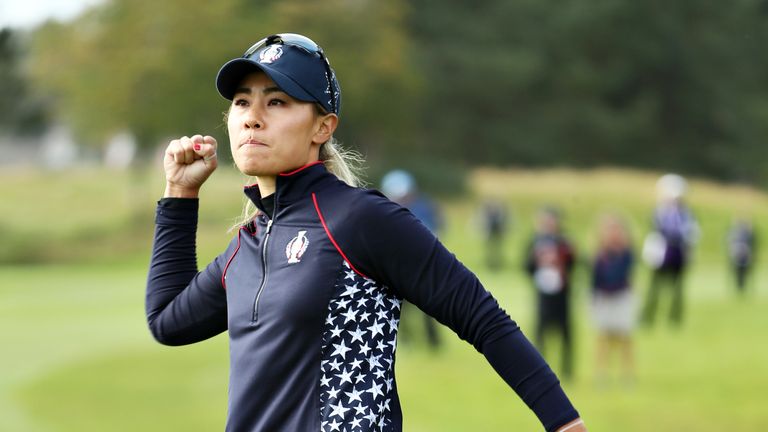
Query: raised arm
{"type": "Point", "coordinates": [182, 305]}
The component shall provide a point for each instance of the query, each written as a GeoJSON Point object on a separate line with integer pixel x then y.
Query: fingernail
{"type": "Point", "coordinates": [196, 146]}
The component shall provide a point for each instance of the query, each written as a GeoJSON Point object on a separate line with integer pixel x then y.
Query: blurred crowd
{"type": "Point", "coordinates": [615, 306]}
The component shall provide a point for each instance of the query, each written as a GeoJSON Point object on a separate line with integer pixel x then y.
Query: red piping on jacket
{"type": "Point", "coordinates": [300, 168]}
{"type": "Point", "coordinates": [229, 261]}
{"type": "Point", "coordinates": [330, 237]}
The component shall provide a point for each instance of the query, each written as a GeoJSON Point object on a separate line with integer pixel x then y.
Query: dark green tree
{"type": "Point", "coordinates": [675, 86]}
{"type": "Point", "coordinates": [20, 111]}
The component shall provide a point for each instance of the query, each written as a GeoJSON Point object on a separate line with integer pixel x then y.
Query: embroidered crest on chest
{"type": "Point", "coordinates": [295, 248]}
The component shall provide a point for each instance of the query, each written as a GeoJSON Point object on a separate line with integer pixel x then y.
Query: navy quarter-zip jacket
{"type": "Point", "coordinates": [311, 300]}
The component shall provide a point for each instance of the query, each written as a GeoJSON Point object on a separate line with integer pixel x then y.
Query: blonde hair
{"type": "Point", "coordinates": [344, 163]}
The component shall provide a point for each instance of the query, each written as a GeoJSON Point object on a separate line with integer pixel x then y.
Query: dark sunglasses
{"type": "Point", "coordinates": [304, 43]}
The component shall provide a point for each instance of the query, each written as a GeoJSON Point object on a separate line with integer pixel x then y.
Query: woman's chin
{"type": "Point", "coordinates": [252, 169]}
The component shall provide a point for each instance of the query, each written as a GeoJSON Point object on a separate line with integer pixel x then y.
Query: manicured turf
{"type": "Point", "coordinates": [77, 355]}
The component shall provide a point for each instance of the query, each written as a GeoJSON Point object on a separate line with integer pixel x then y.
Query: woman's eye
{"type": "Point", "coordinates": [276, 101]}
{"type": "Point", "coordinates": [240, 102]}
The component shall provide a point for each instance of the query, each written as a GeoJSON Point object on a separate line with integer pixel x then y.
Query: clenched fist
{"type": "Point", "coordinates": [188, 163]}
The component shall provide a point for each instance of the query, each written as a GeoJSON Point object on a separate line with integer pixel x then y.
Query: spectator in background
{"type": "Point", "coordinates": [549, 262]}
{"type": "Point", "coordinates": [494, 221]}
{"type": "Point", "coordinates": [667, 248]}
{"type": "Point", "coordinates": [741, 251]}
{"type": "Point", "coordinates": [400, 186]}
{"type": "Point", "coordinates": [613, 304]}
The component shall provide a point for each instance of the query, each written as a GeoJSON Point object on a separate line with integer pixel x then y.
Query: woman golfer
{"type": "Point", "coordinates": [310, 288]}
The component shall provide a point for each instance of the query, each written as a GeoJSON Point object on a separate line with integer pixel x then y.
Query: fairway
{"type": "Point", "coordinates": [77, 355]}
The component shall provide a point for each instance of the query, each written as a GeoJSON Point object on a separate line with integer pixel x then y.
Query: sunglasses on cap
{"type": "Point", "coordinates": [307, 45]}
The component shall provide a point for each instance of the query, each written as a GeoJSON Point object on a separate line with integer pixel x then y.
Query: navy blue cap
{"type": "Point", "coordinates": [303, 74]}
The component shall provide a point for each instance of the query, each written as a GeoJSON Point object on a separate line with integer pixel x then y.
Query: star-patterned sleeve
{"type": "Point", "coordinates": [182, 305]}
{"type": "Point", "coordinates": [393, 247]}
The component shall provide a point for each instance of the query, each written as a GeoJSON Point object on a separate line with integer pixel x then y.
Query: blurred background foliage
{"type": "Point", "coordinates": [514, 101]}
{"type": "Point", "coordinates": [668, 86]}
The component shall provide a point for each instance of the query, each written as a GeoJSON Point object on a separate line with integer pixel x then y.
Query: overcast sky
{"type": "Point", "coordinates": [29, 13]}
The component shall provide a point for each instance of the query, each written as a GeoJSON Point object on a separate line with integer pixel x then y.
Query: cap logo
{"type": "Point", "coordinates": [270, 54]}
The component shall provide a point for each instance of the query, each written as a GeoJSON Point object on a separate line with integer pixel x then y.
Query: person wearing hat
{"type": "Point", "coordinates": [400, 186]}
{"type": "Point", "coordinates": [310, 288]}
{"type": "Point", "coordinates": [667, 247]}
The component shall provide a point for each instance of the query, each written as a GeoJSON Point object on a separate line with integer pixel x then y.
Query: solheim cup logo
{"type": "Point", "coordinates": [270, 54]}
{"type": "Point", "coordinates": [296, 248]}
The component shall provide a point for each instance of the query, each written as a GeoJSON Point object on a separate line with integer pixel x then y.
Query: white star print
{"type": "Point", "coordinates": [376, 328]}
{"type": "Point", "coordinates": [393, 325]}
{"type": "Point", "coordinates": [373, 362]}
{"type": "Point", "coordinates": [336, 331]}
{"type": "Point", "coordinates": [393, 342]}
{"type": "Point", "coordinates": [349, 315]}
{"type": "Point", "coordinates": [333, 393]}
{"type": "Point", "coordinates": [358, 359]}
{"type": "Point", "coordinates": [334, 364]}
{"type": "Point", "coordinates": [351, 290]}
{"type": "Point", "coordinates": [334, 425]}
{"type": "Point", "coordinates": [371, 417]}
{"type": "Point", "coordinates": [360, 409]}
{"type": "Point", "coordinates": [380, 346]}
{"type": "Point", "coordinates": [383, 315]}
{"type": "Point", "coordinates": [340, 349]}
{"type": "Point", "coordinates": [365, 348]}
{"type": "Point", "coordinates": [338, 410]}
{"type": "Point", "coordinates": [354, 395]}
{"type": "Point", "coordinates": [357, 334]}
{"type": "Point", "coordinates": [345, 376]}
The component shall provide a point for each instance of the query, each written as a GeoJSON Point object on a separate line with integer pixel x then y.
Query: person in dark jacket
{"type": "Point", "coordinates": [494, 222]}
{"type": "Point", "coordinates": [310, 288]}
{"type": "Point", "coordinates": [742, 248]}
{"type": "Point", "coordinates": [549, 262]}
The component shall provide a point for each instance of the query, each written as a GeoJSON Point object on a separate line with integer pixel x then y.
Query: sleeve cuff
{"type": "Point", "coordinates": [177, 211]}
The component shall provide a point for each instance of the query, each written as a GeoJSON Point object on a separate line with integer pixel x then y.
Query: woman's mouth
{"type": "Point", "coordinates": [252, 142]}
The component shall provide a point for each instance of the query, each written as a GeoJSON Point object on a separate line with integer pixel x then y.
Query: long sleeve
{"type": "Point", "coordinates": [182, 305]}
{"type": "Point", "coordinates": [392, 246]}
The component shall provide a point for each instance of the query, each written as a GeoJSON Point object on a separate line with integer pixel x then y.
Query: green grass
{"type": "Point", "coordinates": [77, 355]}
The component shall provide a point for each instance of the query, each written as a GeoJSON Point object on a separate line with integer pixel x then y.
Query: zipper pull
{"type": "Point", "coordinates": [269, 227]}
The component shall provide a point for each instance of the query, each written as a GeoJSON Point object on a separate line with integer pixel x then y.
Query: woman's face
{"type": "Point", "coordinates": [271, 132]}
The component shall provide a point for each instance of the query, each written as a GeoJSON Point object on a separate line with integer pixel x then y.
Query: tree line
{"type": "Point", "coordinates": [672, 86]}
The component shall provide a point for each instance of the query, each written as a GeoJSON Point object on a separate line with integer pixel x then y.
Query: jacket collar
{"type": "Point", "coordinates": [292, 186]}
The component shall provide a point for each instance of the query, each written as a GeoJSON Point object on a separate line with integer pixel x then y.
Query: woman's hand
{"type": "Point", "coordinates": [574, 426]}
{"type": "Point", "coordinates": [188, 163]}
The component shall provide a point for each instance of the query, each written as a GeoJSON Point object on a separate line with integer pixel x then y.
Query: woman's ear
{"type": "Point", "coordinates": [326, 126]}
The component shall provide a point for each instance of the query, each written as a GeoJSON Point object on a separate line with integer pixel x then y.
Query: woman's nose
{"type": "Point", "coordinates": [253, 120]}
